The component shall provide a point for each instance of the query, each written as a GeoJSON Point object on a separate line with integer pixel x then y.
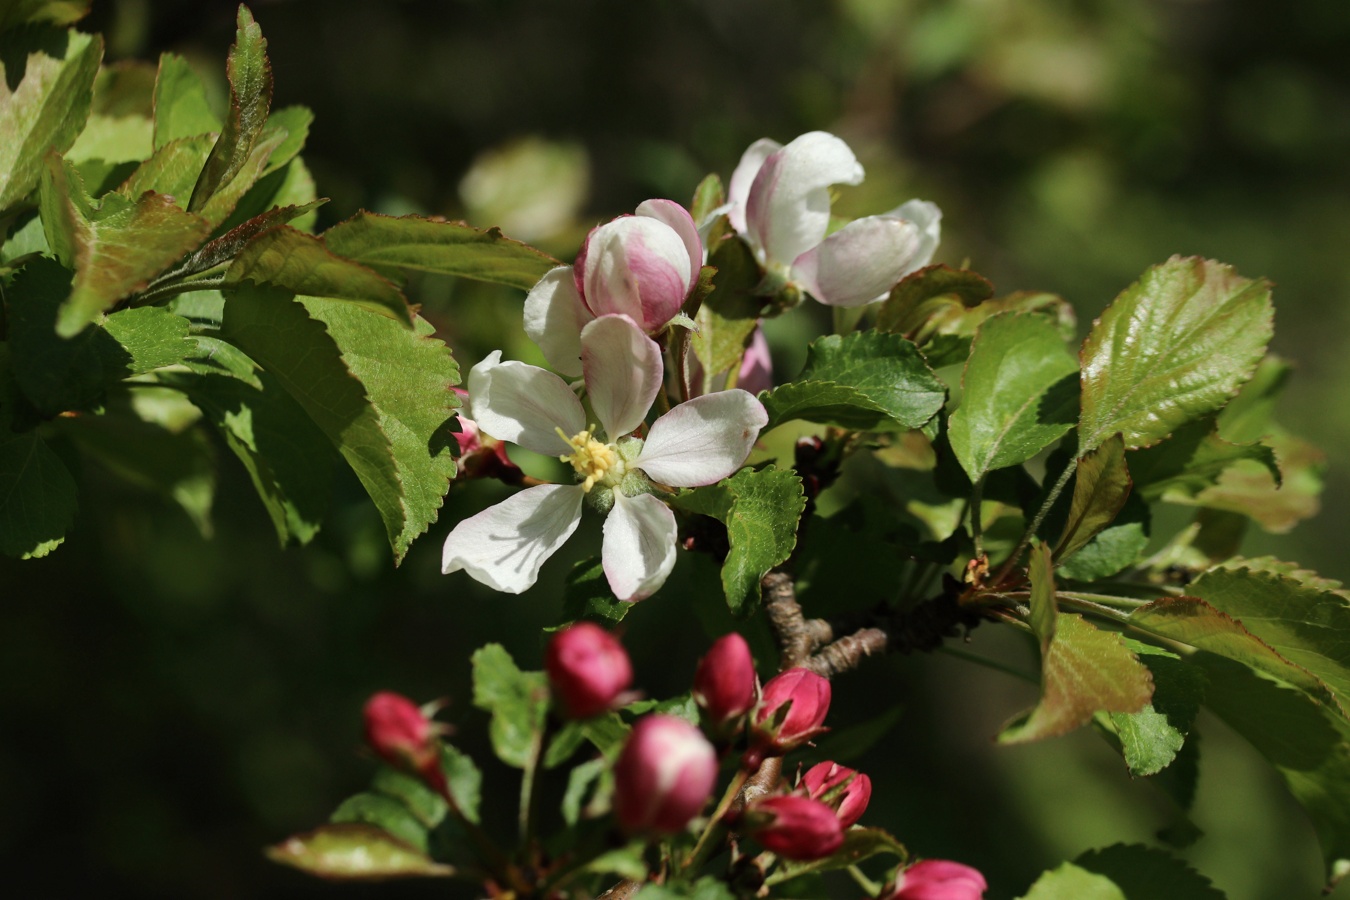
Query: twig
{"type": "Point", "coordinates": [797, 636]}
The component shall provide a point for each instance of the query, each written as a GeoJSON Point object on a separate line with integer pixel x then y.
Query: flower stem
{"type": "Point", "coordinates": [696, 855]}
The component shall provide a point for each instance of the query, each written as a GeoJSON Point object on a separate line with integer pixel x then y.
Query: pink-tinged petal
{"type": "Point", "coordinates": [504, 545]}
{"type": "Point", "coordinates": [623, 373]}
{"type": "Point", "coordinates": [928, 219]}
{"type": "Point", "coordinates": [738, 189]}
{"type": "Point", "coordinates": [554, 317]}
{"type": "Point", "coordinates": [756, 366]}
{"type": "Point", "coordinates": [639, 546]}
{"type": "Point", "coordinates": [523, 404]}
{"type": "Point", "coordinates": [860, 262]}
{"type": "Point", "coordinates": [680, 222]}
{"type": "Point", "coordinates": [703, 440]}
{"type": "Point", "coordinates": [788, 209]}
{"type": "Point", "coordinates": [638, 267]}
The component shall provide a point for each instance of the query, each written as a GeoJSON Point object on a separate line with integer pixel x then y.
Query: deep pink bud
{"type": "Point", "coordinates": [724, 684]}
{"type": "Point", "coordinates": [481, 456]}
{"type": "Point", "coordinates": [845, 790]}
{"type": "Point", "coordinates": [938, 879]}
{"type": "Point", "coordinates": [588, 669]}
{"type": "Point", "coordinates": [664, 775]}
{"type": "Point", "coordinates": [795, 827]}
{"type": "Point", "coordinates": [397, 730]}
{"type": "Point", "coordinates": [779, 727]}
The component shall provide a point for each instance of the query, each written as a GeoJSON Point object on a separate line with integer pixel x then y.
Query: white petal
{"type": "Point", "coordinates": [928, 219]}
{"type": "Point", "coordinates": [639, 267]}
{"type": "Point", "coordinates": [678, 219]}
{"type": "Point", "coordinates": [639, 546]}
{"type": "Point", "coordinates": [623, 373]}
{"type": "Point", "coordinates": [703, 440]}
{"type": "Point", "coordinates": [554, 317]}
{"type": "Point", "coordinates": [504, 545]}
{"type": "Point", "coordinates": [860, 262]}
{"type": "Point", "coordinates": [788, 209]}
{"type": "Point", "coordinates": [738, 189]}
{"type": "Point", "coordinates": [523, 404]}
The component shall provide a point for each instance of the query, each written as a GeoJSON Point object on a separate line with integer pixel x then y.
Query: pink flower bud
{"type": "Point", "coordinates": [938, 879]}
{"type": "Point", "coordinates": [795, 827]}
{"type": "Point", "coordinates": [397, 730]}
{"type": "Point", "coordinates": [588, 669]}
{"type": "Point", "coordinates": [481, 456]}
{"type": "Point", "coordinates": [664, 776]}
{"type": "Point", "coordinates": [791, 711]}
{"type": "Point", "coordinates": [845, 790]}
{"type": "Point", "coordinates": [724, 684]}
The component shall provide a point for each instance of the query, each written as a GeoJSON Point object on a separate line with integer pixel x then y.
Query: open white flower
{"type": "Point", "coordinates": [696, 443]}
{"type": "Point", "coordinates": [779, 200]}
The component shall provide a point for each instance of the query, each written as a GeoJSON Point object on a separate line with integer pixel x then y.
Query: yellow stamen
{"type": "Point", "coordinates": [591, 459]}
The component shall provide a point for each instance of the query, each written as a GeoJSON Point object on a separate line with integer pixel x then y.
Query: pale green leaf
{"type": "Point", "coordinates": [354, 851]}
{"type": "Point", "coordinates": [408, 376]}
{"type": "Point", "coordinates": [729, 313]}
{"type": "Point", "coordinates": [1020, 394]}
{"type": "Point", "coordinates": [55, 12]}
{"type": "Point", "coordinates": [1070, 882]}
{"type": "Point", "coordinates": [181, 109]}
{"type": "Point", "coordinates": [464, 780]}
{"type": "Point", "coordinates": [250, 76]}
{"type": "Point", "coordinates": [760, 510]}
{"type": "Point", "coordinates": [172, 170]}
{"type": "Point", "coordinates": [1192, 459]}
{"type": "Point", "coordinates": [864, 380]}
{"type": "Point", "coordinates": [447, 248]}
{"type": "Point", "coordinates": [1116, 547]}
{"type": "Point", "coordinates": [1151, 738]}
{"type": "Point", "coordinates": [113, 139]}
{"type": "Point", "coordinates": [931, 293]}
{"type": "Point", "coordinates": [416, 795]}
{"type": "Point", "coordinates": [1044, 611]}
{"type": "Point", "coordinates": [301, 263]}
{"type": "Point", "coordinates": [518, 702]}
{"type": "Point", "coordinates": [1083, 670]}
{"type": "Point", "coordinates": [294, 121]}
{"type": "Point", "coordinates": [385, 813]}
{"type": "Point", "coordinates": [1174, 346]}
{"type": "Point", "coordinates": [46, 90]}
{"type": "Point", "coordinates": [37, 496]}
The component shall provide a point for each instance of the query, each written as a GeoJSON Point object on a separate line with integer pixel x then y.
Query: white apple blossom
{"type": "Point", "coordinates": [643, 266]}
{"type": "Point", "coordinates": [696, 443]}
{"type": "Point", "coordinates": [779, 200]}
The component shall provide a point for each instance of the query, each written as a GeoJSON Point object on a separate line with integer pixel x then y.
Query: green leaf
{"type": "Point", "coordinates": [863, 380]}
{"type": "Point", "coordinates": [284, 452]}
{"type": "Point", "coordinates": [172, 170]}
{"type": "Point", "coordinates": [1174, 346]}
{"type": "Point", "coordinates": [1083, 670]}
{"type": "Point", "coordinates": [1069, 882]}
{"type": "Point", "coordinates": [930, 293]}
{"type": "Point", "coordinates": [760, 510]}
{"type": "Point", "coordinates": [1115, 547]}
{"type": "Point", "coordinates": [59, 375]}
{"type": "Point", "coordinates": [55, 12]}
{"type": "Point", "coordinates": [447, 248]}
{"type": "Point", "coordinates": [1248, 488]}
{"type": "Point", "coordinates": [226, 247]}
{"type": "Point", "coordinates": [518, 702]}
{"type": "Point", "coordinates": [464, 780]}
{"type": "Point", "coordinates": [1305, 624]}
{"type": "Point", "coordinates": [1250, 415]}
{"type": "Point", "coordinates": [729, 313]}
{"type": "Point", "coordinates": [1020, 394]}
{"type": "Point", "coordinates": [37, 496]}
{"type": "Point", "coordinates": [181, 109]}
{"type": "Point", "coordinates": [112, 139]}
{"type": "Point", "coordinates": [1193, 621]}
{"type": "Point", "coordinates": [707, 197]}
{"type": "Point", "coordinates": [587, 778]}
{"type": "Point", "coordinates": [1147, 872]}
{"type": "Point", "coordinates": [859, 843]}
{"type": "Point", "coordinates": [1044, 612]}
{"type": "Point", "coordinates": [1100, 489]}
{"type": "Point", "coordinates": [706, 888]}
{"type": "Point", "coordinates": [587, 595]}
{"type": "Point", "coordinates": [277, 332]}
{"type": "Point", "coordinates": [354, 851]}
{"type": "Point", "coordinates": [1192, 459]}
{"type": "Point", "coordinates": [386, 814]}
{"type": "Point", "coordinates": [291, 185]}
{"type": "Point", "coordinates": [1151, 738]}
{"type": "Point", "coordinates": [115, 247]}
{"type": "Point", "coordinates": [294, 121]}
{"type": "Point", "coordinates": [408, 377]}
{"type": "Point", "coordinates": [179, 465]}
{"type": "Point", "coordinates": [46, 90]}
{"type": "Point", "coordinates": [223, 203]}
{"type": "Point", "coordinates": [1309, 748]}
{"type": "Point", "coordinates": [425, 804]}
{"type": "Point", "coordinates": [301, 263]}
{"type": "Point", "coordinates": [250, 76]}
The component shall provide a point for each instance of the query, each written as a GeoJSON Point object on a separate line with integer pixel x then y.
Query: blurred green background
{"type": "Point", "coordinates": [169, 704]}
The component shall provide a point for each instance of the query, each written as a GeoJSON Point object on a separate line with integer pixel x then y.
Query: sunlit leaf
{"type": "Point", "coordinates": [181, 109]}
{"type": "Point", "coordinates": [518, 702]}
{"type": "Point", "coordinates": [354, 851]}
{"type": "Point", "coordinates": [1100, 489]}
{"type": "Point", "coordinates": [1151, 738]}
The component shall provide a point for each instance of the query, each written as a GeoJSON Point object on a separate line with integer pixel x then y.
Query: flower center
{"type": "Point", "coordinates": [593, 460]}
